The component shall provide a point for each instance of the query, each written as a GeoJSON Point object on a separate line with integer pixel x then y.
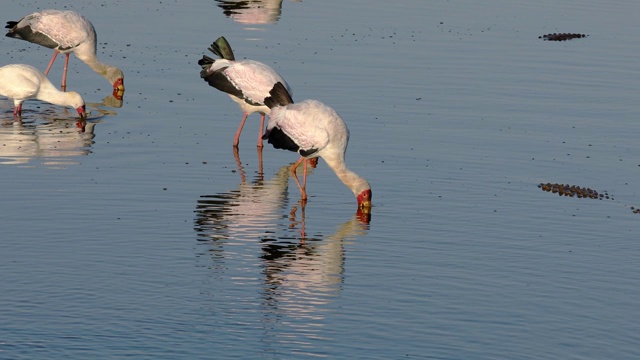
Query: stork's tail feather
{"type": "Point", "coordinates": [11, 24]}
{"type": "Point", "coordinates": [28, 34]}
{"type": "Point", "coordinates": [222, 49]}
{"type": "Point", "coordinates": [206, 63]}
{"type": "Point", "coordinates": [279, 96]}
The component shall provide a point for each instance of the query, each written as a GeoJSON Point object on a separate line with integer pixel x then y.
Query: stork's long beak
{"type": "Point", "coordinates": [365, 206]}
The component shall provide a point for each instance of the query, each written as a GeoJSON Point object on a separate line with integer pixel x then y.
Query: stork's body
{"type": "Point", "coordinates": [313, 130]}
{"type": "Point", "coordinates": [247, 82]}
{"type": "Point", "coordinates": [65, 32]}
{"type": "Point", "coordinates": [21, 82]}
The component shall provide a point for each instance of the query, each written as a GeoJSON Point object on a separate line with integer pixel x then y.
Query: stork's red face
{"type": "Point", "coordinates": [364, 199]}
{"type": "Point", "coordinates": [82, 112]}
{"type": "Point", "coordinates": [118, 89]}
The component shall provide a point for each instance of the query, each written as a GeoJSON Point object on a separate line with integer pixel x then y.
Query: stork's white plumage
{"type": "Point", "coordinates": [65, 32]}
{"type": "Point", "coordinates": [247, 82]}
{"type": "Point", "coordinates": [313, 130]}
{"type": "Point", "coordinates": [20, 82]}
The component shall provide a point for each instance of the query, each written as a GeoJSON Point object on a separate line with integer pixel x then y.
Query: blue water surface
{"type": "Point", "coordinates": [145, 236]}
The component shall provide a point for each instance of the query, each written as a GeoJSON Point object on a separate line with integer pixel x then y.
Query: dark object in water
{"type": "Point", "coordinates": [579, 192]}
{"type": "Point", "coordinates": [561, 36]}
{"type": "Point", "coordinates": [572, 190]}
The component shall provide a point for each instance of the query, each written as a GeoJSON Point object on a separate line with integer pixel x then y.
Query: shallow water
{"type": "Point", "coordinates": [145, 236]}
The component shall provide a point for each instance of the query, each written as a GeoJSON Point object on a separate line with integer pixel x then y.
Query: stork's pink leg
{"type": "Point", "coordinates": [236, 140]}
{"type": "Point", "coordinates": [304, 174]}
{"type": "Point", "coordinates": [17, 111]}
{"type": "Point", "coordinates": [53, 59]}
{"type": "Point", "coordinates": [295, 177]}
{"type": "Point", "coordinates": [64, 73]}
{"type": "Point", "coordinates": [261, 131]}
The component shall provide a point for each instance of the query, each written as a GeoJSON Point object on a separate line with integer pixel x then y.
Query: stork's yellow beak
{"type": "Point", "coordinates": [118, 89]}
{"type": "Point", "coordinates": [365, 205]}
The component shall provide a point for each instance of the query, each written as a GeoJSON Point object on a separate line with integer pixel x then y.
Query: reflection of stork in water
{"type": "Point", "coordinates": [252, 11]}
{"type": "Point", "coordinates": [363, 215]}
{"type": "Point", "coordinates": [55, 141]}
{"type": "Point", "coordinates": [296, 279]}
{"type": "Point", "coordinates": [300, 279]}
{"type": "Point", "coordinates": [243, 175]}
{"type": "Point", "coordinates": [109, 101]}
{"type": "Point", "coordinates": [249, 212]}
{"type": "Point", "coordinates": [323, 257]}
{"type": "Point", "coordinates": [297, 275]}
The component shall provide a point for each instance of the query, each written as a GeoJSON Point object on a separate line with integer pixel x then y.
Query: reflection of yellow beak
{"type": "Point", "coordinates": [364, 212]}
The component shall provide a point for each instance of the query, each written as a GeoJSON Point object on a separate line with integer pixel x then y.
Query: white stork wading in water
{"type": "Point", "coordinates": [313, 130]}
{"type": "Point", "coordinates": [21, 82]}
{"type": "Point", "coordinates": [247, 82]}
{"type": "Point", "coordinates": [65, 32]}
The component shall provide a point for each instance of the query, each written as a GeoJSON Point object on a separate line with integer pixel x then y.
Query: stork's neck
{"type": "Point", "coordinates": [99, 67]}
{"type": "Point", "coordinates": [353, 181]}
{"type": "Point", "coordinates": [49, 93]}
{"type": "Point", "coordinates": [88, 56]}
